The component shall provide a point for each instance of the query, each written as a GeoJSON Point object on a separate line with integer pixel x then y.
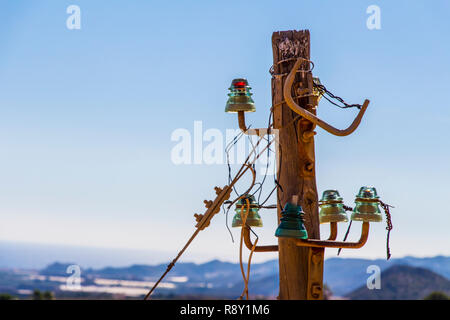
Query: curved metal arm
{"type": "Point", "coordinates": [311, 117]}
{"type": "Point", "coordinates": [249, 244]}
{"type": "Point", "coordinates": [333, 231]}
{"type": "Point", "coordinates": [250, 132]}
{"type": "Point", "coordinates": [243, 127]}
{"type": "Point", "coordinates": [337, 244]}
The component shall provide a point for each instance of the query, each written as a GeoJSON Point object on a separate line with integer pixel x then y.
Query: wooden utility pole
{"type": "Point", "coordinates": [294, 102]}
{"type": "Point", "coordinates": [301, 268]}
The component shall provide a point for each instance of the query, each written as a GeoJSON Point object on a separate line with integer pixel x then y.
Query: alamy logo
{"type": "Point", "coordinates": [73, 22]}
{"type": "Point", "coordinates": [74, 281]}
{"type": "Point", "coordinates": [374, 280]}
{"type": "Point", "coordinates": [208, 147]}
{"type": "Point", "coordinates": [374, 20]}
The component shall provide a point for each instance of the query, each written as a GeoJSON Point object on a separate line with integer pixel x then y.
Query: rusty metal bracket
{"type": "Point", "coordinates": [311, 117]}
{"type": "Point", "coordinates": [251, 131]}
{"type": "Point", "coordinates": [337, 244]}
{"type": "Point", "coordinates": [272, 248]}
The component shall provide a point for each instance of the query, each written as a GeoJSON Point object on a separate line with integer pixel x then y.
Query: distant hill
{"type": "Point", "coordinates": [345, 275]}
{"type": "Point", "coordinates": [401, 282]}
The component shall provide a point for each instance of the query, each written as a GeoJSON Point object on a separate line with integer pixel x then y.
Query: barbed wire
{"type": "Point", "coordinates": [389, 226]}
{"type": "Point", "coordinates": [328, 96]}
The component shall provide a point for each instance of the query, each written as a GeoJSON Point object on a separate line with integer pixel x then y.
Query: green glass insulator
{"type": "Point", "coordinates": [332, 207]}
{"type": "Point", "coordinates": [240, 97]}
{"type": "Point", "coordinates": [291, 225]}
{"type": "Point", "coordinates": [367, 207]}
{"type": "Point", "coordinates": [253, 217]}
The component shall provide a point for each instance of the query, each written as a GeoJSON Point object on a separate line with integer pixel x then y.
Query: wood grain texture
{"type": "Point", "coordinates": [296, 168]}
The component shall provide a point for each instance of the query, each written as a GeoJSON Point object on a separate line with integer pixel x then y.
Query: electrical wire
{"type": "Point", "coordinates": [325, 92]}
{"type": "Point", "coordinates": [247, 165]}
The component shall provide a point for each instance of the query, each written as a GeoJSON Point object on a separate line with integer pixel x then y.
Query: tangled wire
{"type": "Point", "coordinates": [329, 96]}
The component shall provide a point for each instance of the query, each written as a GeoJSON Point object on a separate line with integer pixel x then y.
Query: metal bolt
{"type": "Point", "coordinates": [307, 135]}
{"type": "Point", "coordinates": [316, 290]}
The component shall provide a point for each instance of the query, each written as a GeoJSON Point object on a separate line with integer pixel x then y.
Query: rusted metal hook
{"type": "Point", "coordinates": [311, 117]}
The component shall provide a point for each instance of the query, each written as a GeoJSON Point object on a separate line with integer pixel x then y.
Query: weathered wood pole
{"type": "Point", "coordinates": [301, 268]}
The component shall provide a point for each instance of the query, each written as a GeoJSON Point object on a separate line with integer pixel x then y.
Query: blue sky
{"type": "Point", "coordinates": [86, 116]}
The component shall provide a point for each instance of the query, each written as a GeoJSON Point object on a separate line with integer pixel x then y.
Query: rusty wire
{"type": "Point", "coordinates": [389, 226]}
{"type": "Point", "coordinates": [246, 277]}
{"type": "Point", "coordinates": [328, 95]}
{"type": "Point", "coordinates": [272, 68]}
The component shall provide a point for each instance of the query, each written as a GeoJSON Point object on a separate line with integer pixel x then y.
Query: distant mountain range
{"type": "Point", "coordinates": [212, 279]}
{"type": "Point", "coordinates": [223, 279]}
{"type": "Point", "coordinates": [24, 267]}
